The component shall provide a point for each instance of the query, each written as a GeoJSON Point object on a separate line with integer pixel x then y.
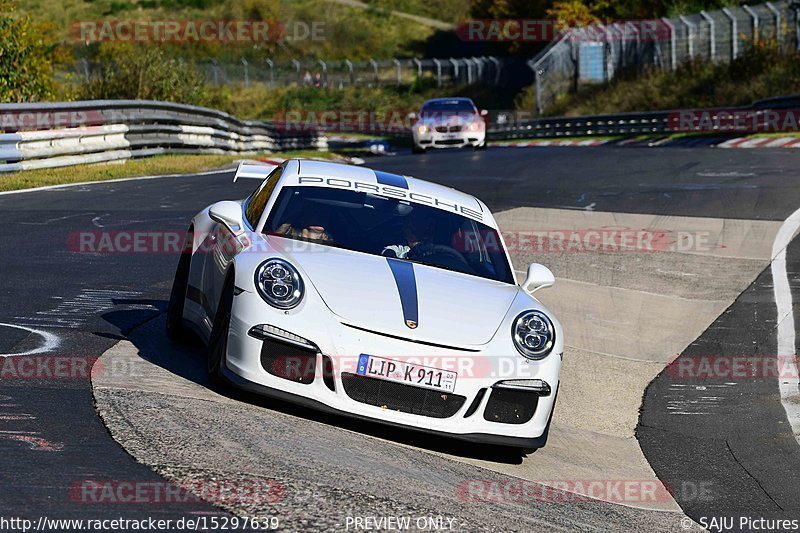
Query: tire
{"type": "Point", "coordinates": [218, 343]}
{"type": "Point", "coordinates": [482, 146]}
{"type": "Point", "coordinates": [176, 329]}
{"type": "Point", "coordinates": [417, 150]}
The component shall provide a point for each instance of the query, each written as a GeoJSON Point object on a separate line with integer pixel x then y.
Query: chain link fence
{"type": "Point", "coordinates": [595, 54]}
{"type": "Point", "coordinates": [487, 71]}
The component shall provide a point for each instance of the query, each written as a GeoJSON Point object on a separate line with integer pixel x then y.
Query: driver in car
{"type": "Point", "coordinates": [418, 233]}
{"type": "Point", "coordinates": [313, 224]}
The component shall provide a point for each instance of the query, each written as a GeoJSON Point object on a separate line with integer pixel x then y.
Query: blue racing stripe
{"type": "Point", "coordinates": [393, 180]}
{"type": "Point", "coordinates": [403, 272]}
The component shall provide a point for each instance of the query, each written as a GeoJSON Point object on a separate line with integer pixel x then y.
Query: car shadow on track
{"type": "Point", "coordinates": [188, 361]}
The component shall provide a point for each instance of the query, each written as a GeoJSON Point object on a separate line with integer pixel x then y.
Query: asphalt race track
{"type": "Point", "coordinates": [146, 412]}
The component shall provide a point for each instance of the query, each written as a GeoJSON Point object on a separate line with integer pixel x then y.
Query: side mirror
{"type": "Point", "coordinates": [227, 213]}
{"type": "Point", "coordinates": [484, 113]}
{"type": "Point", "coordinates": [539, 277]}
{"type": "Point", "coordinates": [412, 116]}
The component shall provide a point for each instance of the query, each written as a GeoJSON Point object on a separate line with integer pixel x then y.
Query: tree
{"type": "Point", "coordinates": [28, 54]}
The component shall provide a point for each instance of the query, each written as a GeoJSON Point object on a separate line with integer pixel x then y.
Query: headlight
{"type": "Point", "coordinates": [279, 283]}
{"type": "Point", "coordinates": [422, 128]}
{"type": "Point", "coordinates": [474, 126]}
{"type": "Point", "coordinates": [534, 335]}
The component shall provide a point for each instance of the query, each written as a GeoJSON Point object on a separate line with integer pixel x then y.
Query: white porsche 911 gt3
{"type": "Point", "coordinates": [373, 295]}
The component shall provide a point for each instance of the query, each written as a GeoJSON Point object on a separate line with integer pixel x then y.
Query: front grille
{"type": "Point", "coordinates": [401, 397]}
{"type": "Point", "coordinates": [510, 406]}
{"type": "Point", "coordinates": [448, 129]}
{"type": "Point", "coordinates": [288, 361]}
{"type": "Point", "coordinates": [451, 141]}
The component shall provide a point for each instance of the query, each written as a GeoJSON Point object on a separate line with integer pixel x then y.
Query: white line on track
{"type": "Point", "coordinates": [788, 377]}
{"type": "Point", "coordinates": [49, 341]}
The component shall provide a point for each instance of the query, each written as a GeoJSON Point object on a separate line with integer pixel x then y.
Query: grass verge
{"type": "Point", "coordinates": [158, 165]}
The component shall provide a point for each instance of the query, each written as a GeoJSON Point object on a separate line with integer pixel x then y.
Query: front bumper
{"type": "Point", "coordinates": [325, 377]}
{"type": "Point", "coordinates": [434, 139]}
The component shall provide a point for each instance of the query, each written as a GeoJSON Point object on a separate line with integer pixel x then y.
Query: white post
{"type": "Point", "coordinates": [271, 72]}
{"type": "Point", "coordinates": [755, 21]}
{"type": "Point", "coordinates": [496, 69]}
{"type": "Point", "coordinates": [734, 32]}
{"type": "Point", "coordinates": [374, 69]}
{"type": "Point", "coordinates": [712, 35]}
{"type": "Point", "coordinates": [672, 53]}
{"type": "Point", "coordinates": [399, 72]}
{"type": "Point", "coordinates": [419, 67]}
{"type": "Point", "coordinates": [438, 72]}
{"type": "Point", "coordinates": [777, 14]}
{"type": "Point", "coordinates": [690, 28]}
{"type": "Point", "coordinates": [455, 69]}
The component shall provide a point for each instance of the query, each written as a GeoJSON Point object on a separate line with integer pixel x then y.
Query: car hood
{"type": "Point", "coordinates": [397, 297]}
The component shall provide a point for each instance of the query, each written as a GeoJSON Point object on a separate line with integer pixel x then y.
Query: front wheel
{"type": "Point", "coordinates": [176, 329]}
{"type": "Point", "coordinates": [481, 146]}
{"type": "Point", "coordinates": [218, 343]}
{"type": "Point", "coordinates": [417, 149]}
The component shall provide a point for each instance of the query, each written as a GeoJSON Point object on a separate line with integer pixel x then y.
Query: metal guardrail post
{"type": "Point", "coordinates": [399, 72]}
{"type": "Point", "coordinates": [419, 66]}
{"type": "Point", "coordinates": [246, 73]}
{"type": "Point", "coordinates": [85, 65]}
{"type": "Point", "coordinates": [271, 66]}
{"type": "Point", "coordinates": [734, 32]}
{"type": "Point", "coordinates": [375, 70]}
{"type": "Point", "coordinates": [754, 15]}
{"type": "Point", "coordinates": [296, 64]}
{"type": "Point", "coordinates": [497, 68]}
{"type": "Point", "coordinates": [638, 38]}
{"type": "Point", "coordinates": [455, 69]}
{"type": "Point", "coordinates": [712, 36]}
{"type": "Point", "coordinates": [777, 14]}
{"type": "Point", "coordinates": [797, 27]}
{"type": "Point", "coordinates": [537, 73]}
{"type": "Point", "coordinates": [438, 72]}
{"type": "Point", "coordinates": [672, 52]}
{"type": "Point", "coordinates": [691, 30]}
{"type": "Point", "coordinates": [350, 69]}
{"type": "Point", "coordinates": [215, 71]}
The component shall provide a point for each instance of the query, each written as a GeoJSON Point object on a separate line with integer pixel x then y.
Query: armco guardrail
{"type": "Point", "coordinates": [596, 125]}
{"type": "Point", "coordinates": [60, 134]}
{"type": "Point", "coordinates": [752, 118]}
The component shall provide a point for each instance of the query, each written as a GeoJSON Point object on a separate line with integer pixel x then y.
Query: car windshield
{"type": "Point", "coordinates": [379, 225]}
{"type": "Point", "coordinates": [451, 106]}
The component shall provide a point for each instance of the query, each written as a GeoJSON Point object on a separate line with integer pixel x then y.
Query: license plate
{"type": "Point", "coordinates": [409, 373]}
{"type": "Point", "coordinates": [450, 137]}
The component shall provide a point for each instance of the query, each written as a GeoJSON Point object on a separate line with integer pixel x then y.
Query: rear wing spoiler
{"type": "Point", "coordinates": [257, 171]}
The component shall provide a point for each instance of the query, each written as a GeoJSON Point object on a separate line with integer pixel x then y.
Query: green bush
{"type": "Point", "coordinates": [27, 58]}
{"type": "Point", "coordinates": [128, 71]}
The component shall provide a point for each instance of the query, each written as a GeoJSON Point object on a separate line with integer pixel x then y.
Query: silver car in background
{"type": "Point", "coordinates": [448, 122]}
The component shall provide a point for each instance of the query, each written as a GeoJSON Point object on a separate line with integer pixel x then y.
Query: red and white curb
{"type": "Point", "coordinates": [761, 142]}
{"type": "Point", "coordinates": [565, 142]}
